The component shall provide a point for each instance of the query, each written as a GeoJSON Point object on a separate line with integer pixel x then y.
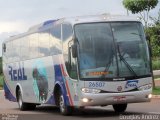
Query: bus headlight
{"type": "Point", "coordinates": [85, 100]}
{"type": "Point", "coordinates": [145, 87]}
{"type": "Point", "coordinates": [88, 90]}
{"type": "Point", "coordinates": [149, 96]}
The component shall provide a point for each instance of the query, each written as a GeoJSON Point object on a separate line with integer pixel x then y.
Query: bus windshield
{"type": "Point", "coordinates": [111, 50]}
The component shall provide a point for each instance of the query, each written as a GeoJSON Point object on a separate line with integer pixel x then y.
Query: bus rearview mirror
{"type": "Point", "coordinates": [74, 51]}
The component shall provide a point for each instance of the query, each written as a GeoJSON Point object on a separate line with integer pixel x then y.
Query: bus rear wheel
{"type": "Point", "coordinates": [119, 108]}
{"type": "Point", "coordinates": [64, 109]}
{"type": "Point", "coordinates": [24, 106]}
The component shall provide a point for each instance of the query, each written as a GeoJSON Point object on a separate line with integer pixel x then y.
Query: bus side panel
{"type": "Point", "coordinates": [35, 77]}
{"type": "Point", "coordinates": [40, 77]}
{"type": "Point", "coordinates": [71, 88]}
{"type": "Point", "coordinates": [8, 94]}
{"type": "Point", "coordinates": [8, 86]}
{"type": "Point", "coordinates": [60, 78]}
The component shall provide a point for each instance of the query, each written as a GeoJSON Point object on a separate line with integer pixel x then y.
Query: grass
{"type": "Point", "coordinates": [1, 82]}
{"type": "Point", "coordinates": [156, 64]}
{"type": "Point", "coordinates": [156, 91]}
{"type": "Point", "coordinates": [157, 77]}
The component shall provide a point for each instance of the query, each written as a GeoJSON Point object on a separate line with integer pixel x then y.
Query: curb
{"type": "Point", "coordinates": [1, 90]}
{"type": "Point", "coordinates": [156, 96]}
{"type": "Point", "coordinates": [156, 72]}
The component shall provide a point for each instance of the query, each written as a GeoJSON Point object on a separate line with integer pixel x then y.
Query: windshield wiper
{"type": "Point", "coordinates": [107, 66]}
{"type": "Point", "coordinates": [126, 63]}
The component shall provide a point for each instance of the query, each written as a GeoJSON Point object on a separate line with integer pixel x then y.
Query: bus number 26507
{"type": "Point", "coordinates": [96, 84]}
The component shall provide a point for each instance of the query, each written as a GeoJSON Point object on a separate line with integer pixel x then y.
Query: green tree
{"type": "Point", "coordinates": [140, 6]}
{"type": "Point", "coordinates": [153, 32]}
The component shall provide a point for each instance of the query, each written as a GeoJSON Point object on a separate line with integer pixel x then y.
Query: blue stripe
{"type": "Point", "coordinates": [8, 94]}
{"type": "Point", "coordinates": [49, 22]}
{"type": "Point", "coordinates": [60, 78]}
{"type": "Point", "coordinates": [51, 100]}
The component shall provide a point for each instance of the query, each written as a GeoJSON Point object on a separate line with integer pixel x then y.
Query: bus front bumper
{"type": "Point", "coordinates": [101, 99]}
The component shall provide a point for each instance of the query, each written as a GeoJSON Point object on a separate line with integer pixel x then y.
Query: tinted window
{"type": "Point", "coordinates": [56, 31]}
{"type": "Point", "coordinates": [44, 43]}
{"type": "Point", "coordinates": [55, 40]}
{"type": "Point", "coordinates": [33, 45]}
{"type": "Point", "coordinates": [67, 31]}
{"type": "Point", "coordinates": [25, 48]}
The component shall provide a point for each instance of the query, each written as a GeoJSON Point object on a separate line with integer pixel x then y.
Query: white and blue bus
{"type": "Point", "coordinates": [76, 62]}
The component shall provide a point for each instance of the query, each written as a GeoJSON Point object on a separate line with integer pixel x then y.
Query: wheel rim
{"type": "Point", "coordinates": [62, 105]}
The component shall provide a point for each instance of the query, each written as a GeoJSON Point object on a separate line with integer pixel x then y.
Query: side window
{"type": "Point", "coordinates": [16, 51]}
{"type": "Point", "coordinates": [72, 64]}
{"type": "Point", "coordinates": [66, 35]}
{"type": "Point", "coordinates": [4, 52]}
{"type": "Point", "coordinates": [25, 52]}
{"type": "Point", "coordinates": [33, 42]}
{"type": "Point", "coordinates": [4, 48]}
{"type": "Point", "coordinates": [44, 43]}
{"type": "Point", "coordinates": [9, 49]}
{"type": "Point", "coordinates": [56, 31]}
{"type": "Point", "coordinates": [55, 40]}
{"type": "Point", "coordinates": [66, 31]}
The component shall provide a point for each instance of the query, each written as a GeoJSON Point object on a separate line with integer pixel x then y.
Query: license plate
{"type": "Point", "coordinates": [119, 98]}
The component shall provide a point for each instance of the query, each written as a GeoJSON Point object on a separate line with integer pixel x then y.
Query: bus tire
{"type": "Point", "coordinates": [31, 106]}
{"type": "Point", "coordinates": [21, 104]}
{"type": "Point", "coordinates": [24, 106]}
{"type": "Point", "coordinates": [119, 108]}
{"type": "Point", "coordinates": [64, 109]}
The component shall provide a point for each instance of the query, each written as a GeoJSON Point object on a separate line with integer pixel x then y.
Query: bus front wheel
{"type": "Point", "coordinates": [64, 109]}
{"type": "Point", "coordinates": [119, 108]}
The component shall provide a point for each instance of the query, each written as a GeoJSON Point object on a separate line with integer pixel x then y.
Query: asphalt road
{"type": "Point", "coordinates": [147, 111]}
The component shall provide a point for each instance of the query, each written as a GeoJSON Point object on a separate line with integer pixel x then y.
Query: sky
{"type": "Point", "coordinates": [17, 16]}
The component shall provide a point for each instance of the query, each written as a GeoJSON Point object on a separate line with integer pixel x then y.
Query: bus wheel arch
{"type": "Point", "coordinates": [57, 88]}
{"type": "Point", "coordinates": [60, 102]}
{"type": "Point", "coordinates": [22, 105]}
{"type": "Point", "coordinates": [17, 89]}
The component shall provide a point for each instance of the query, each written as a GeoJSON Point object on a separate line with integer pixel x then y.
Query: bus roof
{"type": "Point", "coordinates": [75, 20]}
{"type": "Point", "coordinates": [99, 18]}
